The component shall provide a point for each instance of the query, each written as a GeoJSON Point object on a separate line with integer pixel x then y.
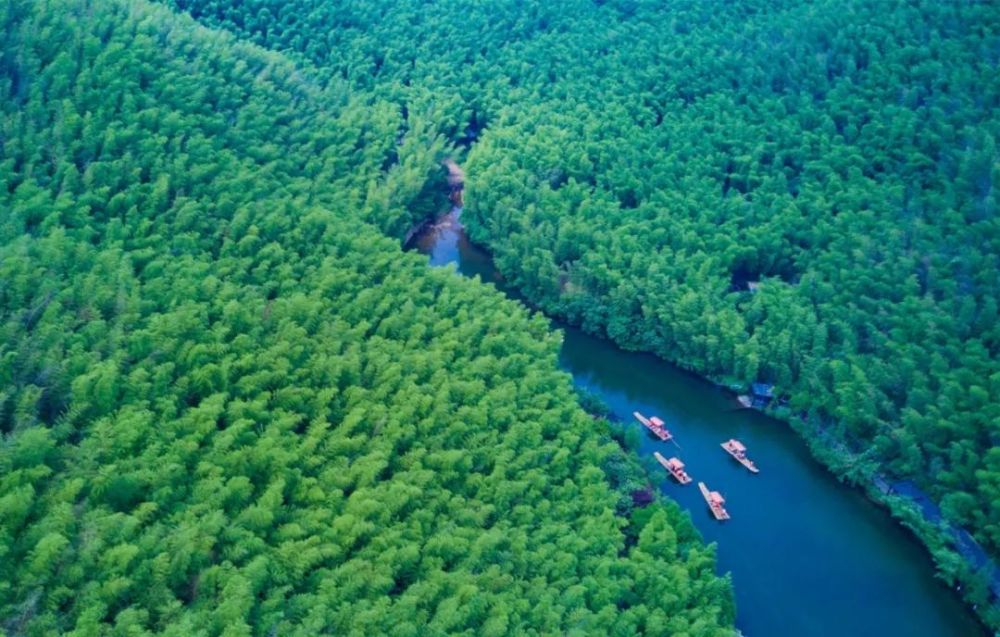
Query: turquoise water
{"type": "Point", "coordinates": [809, 556]}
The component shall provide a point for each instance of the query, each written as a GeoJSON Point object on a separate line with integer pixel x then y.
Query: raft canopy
{"type": "Point", "coordinates": [736, 445]}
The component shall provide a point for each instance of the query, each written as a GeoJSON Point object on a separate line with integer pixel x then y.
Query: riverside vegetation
{"type": "Point", "coordinates": [231, 406]}
{"type": "Point", "coordinates": [633, 165]}
{"type": "Point", "coordinates": [193, 243]}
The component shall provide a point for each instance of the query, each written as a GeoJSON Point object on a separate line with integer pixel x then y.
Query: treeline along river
{"type": "Point", "coordinates": [809, 556]}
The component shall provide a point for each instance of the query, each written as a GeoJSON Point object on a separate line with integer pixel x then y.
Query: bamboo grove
{"type": "Point", "coordinates": [633, 165]}
{"type": "Point", "coordinates": [231, 406]}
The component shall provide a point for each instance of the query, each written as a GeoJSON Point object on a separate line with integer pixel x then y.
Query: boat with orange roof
{"type": "Point", "coordinates": [736, 449]}
{"type": "Point", "coordinates": [715, 502]}
{"type": "Point", "coordinates": [655, 425]}
{"type": "Point", "coordinates": [674, 467]}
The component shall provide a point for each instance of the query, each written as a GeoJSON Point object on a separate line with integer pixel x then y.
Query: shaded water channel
{"type": "Point", "coordinates": [809, 556]}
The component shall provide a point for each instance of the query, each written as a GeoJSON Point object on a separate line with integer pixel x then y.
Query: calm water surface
{"type": "Point", "coordinates": [809, 557]}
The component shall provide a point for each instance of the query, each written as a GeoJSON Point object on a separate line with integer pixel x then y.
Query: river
{"type": "Point", "coordinates": [809, 556]}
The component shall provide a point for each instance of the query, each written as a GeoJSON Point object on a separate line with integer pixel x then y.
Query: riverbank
{"type": "Point", "coordinates": [961, 562]}
{"type": "Point", "coordinates": [856, 571]}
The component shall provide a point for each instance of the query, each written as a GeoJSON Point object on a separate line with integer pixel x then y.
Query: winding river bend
{"type": "Point", "coordinates": [809, 556]}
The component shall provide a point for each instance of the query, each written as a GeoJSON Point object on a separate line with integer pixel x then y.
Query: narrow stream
{"type": "Point", "coordinates": [809, 556]}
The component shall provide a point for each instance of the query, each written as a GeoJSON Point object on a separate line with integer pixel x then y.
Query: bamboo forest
{"type": "Point", "coordinates": [238, 396]}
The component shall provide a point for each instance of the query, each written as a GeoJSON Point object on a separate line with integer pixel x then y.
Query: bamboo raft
{"type": "Point", "coordinates": [715, 502]}
{"type": "Point", "coordinates": [655, 425]}
{"type": "Point", "coordinates": [674, 467]}
{"type": "Point", "coordinates": [736, 449]}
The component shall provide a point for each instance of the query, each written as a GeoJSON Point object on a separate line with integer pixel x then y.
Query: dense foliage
{"type": "Point", "coordinates": [637, 163]}
{"type": "Point", "coordinates": [229, 405]}
{"type": "Point", "coordinates": [856, 181]}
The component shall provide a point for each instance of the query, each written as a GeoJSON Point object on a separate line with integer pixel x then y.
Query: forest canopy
{"type": "Point", "coordinates": [227, 398]}
{"type": "Point", "coordinates": [633, 165]}
{"type": "Point", "coordinates": [230, 405]}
